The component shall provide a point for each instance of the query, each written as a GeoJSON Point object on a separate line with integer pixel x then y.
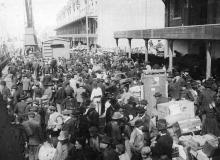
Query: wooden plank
{"type": "Point", "coordinates": [77, 35]}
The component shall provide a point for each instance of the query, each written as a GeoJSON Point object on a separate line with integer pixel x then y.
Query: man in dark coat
{"type": "Point", "coordinates": [207, 109]}
{"type": "Point", "coordinates": [93, 116]}
{"type": "Point", "coordinates": [53, 65]}
{"type": "Point", "coordinates": [110, 111]}
{"type": "Point", "coordinates": [35, 135]}
{"type": "Point", "coordinates": [15, 93]}
{"type": "Point", "coordinates": [108, 152]}
{"type": "Point", "coordinates": [59, 97]}
{"type": "Point", "coordinates": [5, 90]}
{"type": "Point", "coordinates": [71, 124]}
{"type": "Point", "coordinates": [162, 147]}
{"type": "Point", "coordinates": [160, 99]}
{"type": "Point", "coordinates": [175, 86]}
{"type": "Point", "coordinates": [20, 107]}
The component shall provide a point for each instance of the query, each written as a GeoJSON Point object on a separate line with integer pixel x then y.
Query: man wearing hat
{"type": "Point", "coordinates": [207, 109]}
{"type": "Point", "coordinates": [35, 135]}
{"type": "Point", "coordinates": [70, 103]}
{"type": "Point", "coordinates": [26, 81]}
{"type": "Point", "coordinates": [137, 139]}
{"type": "Point", "coordinates": [94, 139]}
{"type": "Point", "coordinates": [59, 97]}
{"type": "Point", "coordinates": [113, 127]}
{"type": "Point", "coordinates": [4, 90]}
{"type": "Point", "coordinates": [64, 147]}
{"type": "Point", "coordinates": [93, 116]}
{"type": "Point", "coordinates": [15, 93]}
{"type": "Point", "coordinates": [29, 103]}
{"type": "Point", "coordinates": [20, 107]}
{"type": "Point", "coordinates": [79, 92]}
{"type": "Point", "coordinates": [108, 151]}
{"type": "Point", "coordinates": [160, 99]}
{"type": "Point", "coordinates": [162, 147]}
{"type": "Point", "coordinates": [38, 91]}
{"type": "Point", "coordinates": [111, 106]}
{"type": "Point", "coordinates": [71, 124]}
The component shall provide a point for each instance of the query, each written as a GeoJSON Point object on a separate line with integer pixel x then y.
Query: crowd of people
{"type": "Point", "coordinates": [78, 109]}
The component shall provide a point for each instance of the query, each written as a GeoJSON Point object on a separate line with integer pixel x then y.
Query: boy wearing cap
{"type": "Point", "coordinates": [162, 147]}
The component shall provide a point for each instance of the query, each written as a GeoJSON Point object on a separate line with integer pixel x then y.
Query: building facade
{"type": "Point", "coordinates": [107, 16]}
{"type": "Point", "coordinates": [77, 21]}
{"type": "Point", "coordinates": [191, 27]}
{"type": "Point", "coordinates": [193, 12]}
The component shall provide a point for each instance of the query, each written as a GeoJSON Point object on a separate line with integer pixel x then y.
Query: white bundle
{"type": "Point", "coordinates": [46, 152]}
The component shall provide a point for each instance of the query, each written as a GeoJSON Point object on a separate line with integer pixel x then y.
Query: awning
{"type": "Point", "coordinates": [206, 32]}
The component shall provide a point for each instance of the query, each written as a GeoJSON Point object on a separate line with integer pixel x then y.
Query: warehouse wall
{"type": "Point", "coordinates": [181, 46]}
{"type": "Point", "coordinates": [116, 15]}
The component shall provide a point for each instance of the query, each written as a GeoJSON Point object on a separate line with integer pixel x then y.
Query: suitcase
{"type": "Point", "coordinates": [211, 147]}
{"type": "Point", "coordinates": [187, 126]}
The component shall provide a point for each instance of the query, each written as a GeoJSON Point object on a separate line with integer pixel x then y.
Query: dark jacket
{"type": "Point", "coordinates": [83, 154]}
{"type": "Point", "coordinates": [110, 154]}
{"type": "Point", "coordinates": [20, 108]}
{"type": "Point", "coordinates": [163, 147]}
{"type": "Point", "coordinates": [109, 112]}
{"type": "Point", "coordinates": [34, 131]}
{"type": "Point", "coordinates": [60, 95]}
{"type": "Point", "coordinates": [205, 100]}
{"type": "Point", "coordinates": [70, 103]}
{"type": "Point", "coordinates": [5, 93]}
{"type": "Point", "coordinates": [72, 126]}
{"type": "Point", "coordinates": [93, 117]}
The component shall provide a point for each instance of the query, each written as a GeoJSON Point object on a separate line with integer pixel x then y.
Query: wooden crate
{"type": "Point", "coordinates": [152, 84]}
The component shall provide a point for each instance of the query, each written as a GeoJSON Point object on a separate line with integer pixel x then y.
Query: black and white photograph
{"type": "Point", "coordinates": [109, 79]}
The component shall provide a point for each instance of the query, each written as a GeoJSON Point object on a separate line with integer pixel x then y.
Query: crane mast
{"type": "Point", "coordinates": [30, 42]}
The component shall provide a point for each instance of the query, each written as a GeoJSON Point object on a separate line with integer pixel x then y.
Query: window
{"type": "Point", "coordinates": [57, 46]}
{"type": "Point", "coordinates": [177, 8]}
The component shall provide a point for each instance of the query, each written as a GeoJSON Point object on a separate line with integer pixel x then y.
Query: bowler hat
{"type": "Point", "coordinates": [157, 94]}
{"type": "Point", "coordinates": [144, 102]}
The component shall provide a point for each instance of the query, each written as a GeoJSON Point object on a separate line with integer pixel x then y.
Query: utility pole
{"type": "Point", "coordinates": [87, 26]}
